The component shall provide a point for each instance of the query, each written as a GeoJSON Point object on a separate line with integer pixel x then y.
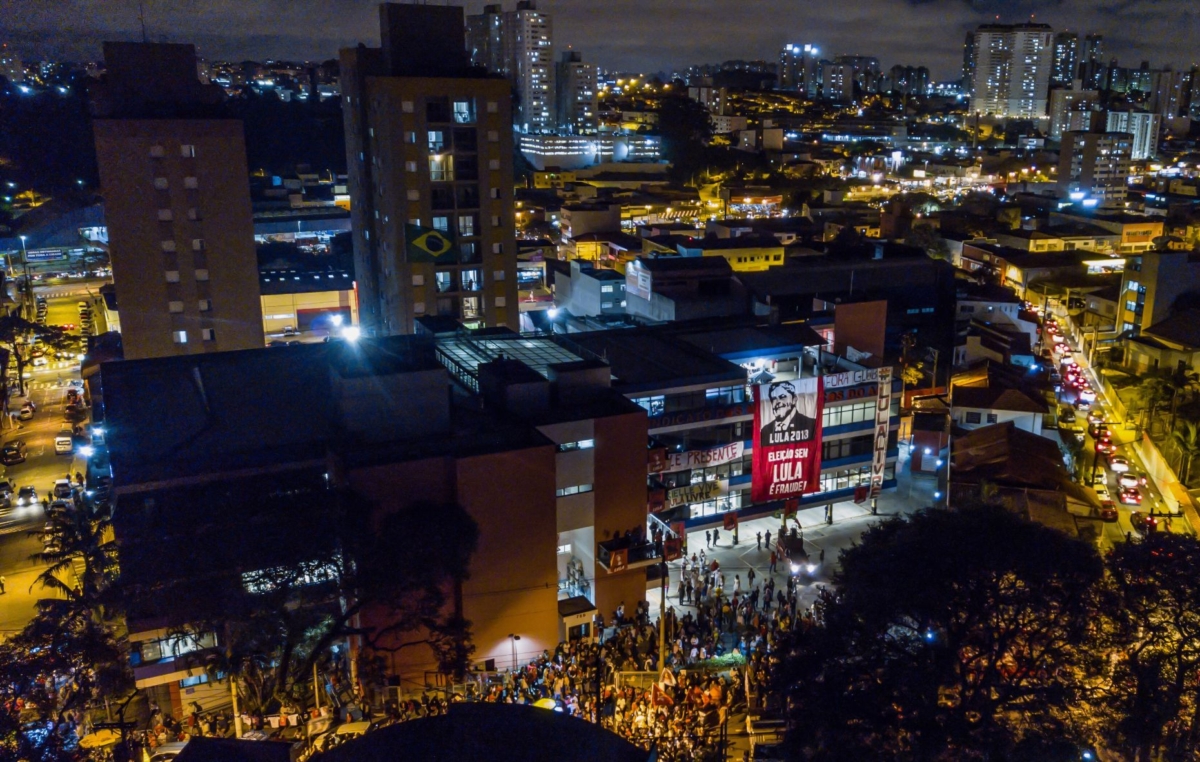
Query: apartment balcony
{"type": "Point", "coordinates": [622, 554]}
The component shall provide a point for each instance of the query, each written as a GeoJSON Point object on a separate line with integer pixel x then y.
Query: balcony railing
{"type": "Point", "coordinates": [621, 555]}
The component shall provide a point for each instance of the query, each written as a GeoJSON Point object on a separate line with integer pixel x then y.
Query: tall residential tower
{"type": "Point", "coordinates": [1012, 69]}
{"type": "Point", "coordinates": [429, 149]}
{"type": "Point", "coordinates": [177, 201]}
{"type": "Point", "coordinates": [520, 45]}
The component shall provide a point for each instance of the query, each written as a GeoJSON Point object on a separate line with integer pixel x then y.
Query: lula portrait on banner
{"type": "Point", "coordinates": [787, 456]}
{"type": "Point", "coordinates": [792, 415]}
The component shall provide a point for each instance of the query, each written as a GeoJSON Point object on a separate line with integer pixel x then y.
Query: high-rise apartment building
{"type": "Point", "coordinates": [177, 202]}
{"type": "Point", "coordinates": [968, 65]}
{"type": "Point", "coordinates": [429, 148]}
{"type": "Point", "coordinates": [11, 67]}
{"type": "Point", "coordinates": [909, 80]}
{"type": "Point", "coordinates": [1091, 62]}
{"type": "Point", "coordinates": [520, 45]}
{"type": "Point", "coordinates": [1066, 57]}
{"type": "Point", "coordinates": [1194, 100]}
{"type": "Point", "coordinates": [576, 94]}
{"type": "Point", "coordinates": [840, 76]}
{"type": "Point", "coordinates": [1142, 126]}
{"type": "Point", "coordinates": [1093, 168]}
{"type": "Point", "coordinates": [1012, 69]}
{"type": "Point", "coordinates": [1063, 101]}
{"type": "Point", "coordinates": [1171, 93]}
{"type": "Point", "coordinates": [800, 68]}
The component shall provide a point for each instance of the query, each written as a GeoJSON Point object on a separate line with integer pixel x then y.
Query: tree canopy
{"type": "Point", "coordinates": [952, 636]}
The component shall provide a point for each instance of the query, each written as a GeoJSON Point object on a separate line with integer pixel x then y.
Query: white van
{"type": "Point", "coordinates": [64, 442]}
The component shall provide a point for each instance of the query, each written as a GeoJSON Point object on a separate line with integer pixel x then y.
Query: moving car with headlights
{"type": "Point", "coordinates": [1131, 496]}
{"type": "Point", "coordinates": [1118, 465]}
{"type": "Point", "coordinates": [27, 496]}
{"type": "Point", "coordinates": [1129, 480]}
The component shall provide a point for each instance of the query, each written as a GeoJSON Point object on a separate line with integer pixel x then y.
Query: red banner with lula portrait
{"type": "Point", "coordinates": [787, 448]}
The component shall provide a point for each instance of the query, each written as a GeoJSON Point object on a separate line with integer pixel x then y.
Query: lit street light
{"type": "Point", "coordinates": [513, 639]}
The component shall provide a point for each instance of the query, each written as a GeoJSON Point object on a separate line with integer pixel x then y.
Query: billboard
{"type": "Point", "coordinates": [787, 451]}
{"type": "Point", "coordinates": [683, 461]}
{"type": "Point", "coordinates": [883, 416]}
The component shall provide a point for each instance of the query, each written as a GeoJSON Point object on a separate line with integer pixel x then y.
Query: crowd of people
{"type": "Point", "coordinates": [678, 707]}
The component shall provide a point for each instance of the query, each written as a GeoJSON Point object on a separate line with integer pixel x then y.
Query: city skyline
{"type": "Point", "coordinates": [916, 32]}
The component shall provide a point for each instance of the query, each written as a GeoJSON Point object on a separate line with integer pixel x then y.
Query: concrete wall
{"type": "Point", "coordinates": [513, 584]}
{"type": "Point", "coordinates": [620, 501]}
{"type": "Point", "coordinates": [197, 206]}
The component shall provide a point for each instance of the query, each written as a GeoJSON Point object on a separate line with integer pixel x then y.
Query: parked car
{"type": "Point", "coordinates": [1143, 523]}
{"type": "Point", "coordinates": [64, 442]}
{"type": "Point", "coordinates": [1066, 415]}
{"type": "Point", "coordinates": [63, 488]}
{"type": "Point", "coordinates": [1108, 511]}
{"type": "Point", "coordinates": [14, 452]}
{"type": "Point", "coordinates": [1102, 491]}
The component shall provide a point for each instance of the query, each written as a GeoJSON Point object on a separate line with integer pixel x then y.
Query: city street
{"type": "Point", "coordinates": [46, 387]}
{"type": "Point", "coordinates": [1123, 435]}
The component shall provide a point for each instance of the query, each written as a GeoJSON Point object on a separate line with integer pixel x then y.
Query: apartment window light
{"type": "Point", "coordinates": [187, 151]}
{"type": "Point", "coordinates": [174, 306]}
{"type": "Point", "coordinates": [172, 276]}
{"type": "Point", "coordinates": [208, 334]}
{"type": "Point", "coordinates": [180, 337]}
{"type": "Point", "coordinates": [202, 275]}
{"type": "Point", "coordinates": [191, 183]}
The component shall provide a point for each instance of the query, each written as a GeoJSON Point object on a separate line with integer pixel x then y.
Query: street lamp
{"type": "Point", "coordinates": [513, 639]}
{"type": "Point", "coordinates": [25, 266]}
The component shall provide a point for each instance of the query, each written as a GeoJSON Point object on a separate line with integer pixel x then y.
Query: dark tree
{"type": "Point", "coordinates": [281, 575]}
{"type": "Point", "coordinates": [16, 334]}
{"type": "Point", "coordinates": [686, 127]}
{"type": "Point", "coordinates": [1150, 706]}
{"type": "Point", "coordinates": [952, 636]}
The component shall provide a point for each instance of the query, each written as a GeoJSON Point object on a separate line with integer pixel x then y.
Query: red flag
{"type": "Point", "coordinates": [659, 698]}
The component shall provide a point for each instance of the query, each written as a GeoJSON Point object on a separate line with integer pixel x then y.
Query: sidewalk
{"type": "Point", "coordinates": [850, 521]}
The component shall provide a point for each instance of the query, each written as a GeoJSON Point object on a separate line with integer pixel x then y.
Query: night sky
{"type": "Point", "coordinates": [632, 35]}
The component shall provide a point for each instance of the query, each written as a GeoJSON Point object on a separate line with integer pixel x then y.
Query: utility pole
{"type": "Point", "coordinates": [662, 615]}
{"type": "Point", "coordinates": [237, 716]}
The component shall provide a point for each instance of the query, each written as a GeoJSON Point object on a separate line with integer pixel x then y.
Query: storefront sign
{"type": "Point", "coordinates": [852, 378]}
{"type": "Point", "coordinates": [787, 452]}
{"type": "Point", "coordinates": [637, 281]}
{"type": "Point", "coordinates": [702, 415]}
{"type": "Point", "coordinates": [865, 392]}
{"type": "Point", "coordinates": [696, 493]}
{"type": "Point", "coordinates": [883, 417]}
{"type": "Point", "coordinates": [717, 456]}
{"type": "Point", "coordinates": [46, 255]}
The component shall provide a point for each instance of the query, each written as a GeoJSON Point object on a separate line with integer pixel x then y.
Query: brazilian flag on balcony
{"type": "Point", "coordinates": [429, 245]}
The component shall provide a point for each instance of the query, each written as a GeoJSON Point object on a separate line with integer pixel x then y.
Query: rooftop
{"type": "Point", "coordinates": [496, 732]}
{"type": "Point", "coordinates": [997, 398]}
{"type": "Point", "coordinates": [651, 359]}
{"type": "Point", "coordinates": [1182, 328]}
{"type": "Point", "coordinates": [1007, 456]}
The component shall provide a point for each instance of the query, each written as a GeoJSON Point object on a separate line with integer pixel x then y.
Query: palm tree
{"type": "Point", "coordinates": [1180, 381]}
{"type": "Point", "coordinates": [1152, 392]}
{"type": "Point", "coordinates": [1187, 440]}
{"type": "Point", "coordinates": [81, 561]}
